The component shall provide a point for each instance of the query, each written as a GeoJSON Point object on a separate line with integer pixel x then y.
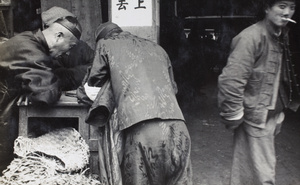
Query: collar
{"type": "Point", "coordinates": [38, 34]}
{"type": "Point", "coordinates": [272, 32]}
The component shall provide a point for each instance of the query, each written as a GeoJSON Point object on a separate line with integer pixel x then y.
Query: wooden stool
{"type": "Point", "coordinates": [66, 107]}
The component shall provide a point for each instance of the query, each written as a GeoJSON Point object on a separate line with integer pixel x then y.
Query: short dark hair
{"type": "Point", "coordinates": [270, 3]}
{"type": "Point", "coordinates": [264, 4]}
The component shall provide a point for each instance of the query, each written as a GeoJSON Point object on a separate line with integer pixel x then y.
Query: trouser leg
{"type": "Point", "coordinates": [157, 153]}
{"type": "Point", "coordinates": [254, 158]}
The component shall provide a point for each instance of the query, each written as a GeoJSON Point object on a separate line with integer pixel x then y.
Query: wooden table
{"type": "Point", "coordinates": [66, 107]}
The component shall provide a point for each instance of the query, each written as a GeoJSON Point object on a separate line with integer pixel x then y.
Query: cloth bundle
{"type": "Point", "coordinates": [58, 157]}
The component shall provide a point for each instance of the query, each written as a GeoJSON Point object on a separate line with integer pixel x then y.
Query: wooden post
{"type": "Point", "coordinates": [6, 22]}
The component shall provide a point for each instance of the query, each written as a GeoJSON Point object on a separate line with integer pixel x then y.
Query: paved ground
{"type": "Point", "coordinates": [212, 143]}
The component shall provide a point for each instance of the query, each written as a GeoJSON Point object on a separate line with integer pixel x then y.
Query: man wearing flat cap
{"type": "Point", "coordinates": [70, 67]}
{"type": "Point", "coordinates": [25, 69]}
{"type": "Point", "coordinates": [157, 143]}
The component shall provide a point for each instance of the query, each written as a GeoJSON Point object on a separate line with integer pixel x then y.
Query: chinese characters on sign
{"type": "Point", "coordinates": [132, 12]}
{"type": "Point", "coordinates": [122, 5]}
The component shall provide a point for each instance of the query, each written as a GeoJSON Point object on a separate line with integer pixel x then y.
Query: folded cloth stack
{"type": "Point", "coordinates": [58, 157]}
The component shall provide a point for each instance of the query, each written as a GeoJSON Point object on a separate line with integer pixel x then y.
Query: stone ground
{"type": "Point", "coordinates": [212, 143]}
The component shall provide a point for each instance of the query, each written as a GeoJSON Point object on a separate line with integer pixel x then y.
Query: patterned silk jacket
{"type": "Point", "coordinates": [141, 77]}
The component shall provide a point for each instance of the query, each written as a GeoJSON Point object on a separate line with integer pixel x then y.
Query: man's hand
{"type": "Point", "coordinates": [91, 92]}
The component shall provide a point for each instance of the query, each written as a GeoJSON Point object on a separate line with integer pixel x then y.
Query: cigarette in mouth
{"type": "Point", "coordinates": [290, 20]}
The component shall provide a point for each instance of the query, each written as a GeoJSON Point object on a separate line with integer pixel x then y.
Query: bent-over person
{"type": "Point", "coordinates": [25, 69]}
{"type": "Point", "coordinates": [157, 144]}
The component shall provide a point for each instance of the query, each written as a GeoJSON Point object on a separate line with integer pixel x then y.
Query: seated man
{"type": "Point", "coordinates": [25, 65]}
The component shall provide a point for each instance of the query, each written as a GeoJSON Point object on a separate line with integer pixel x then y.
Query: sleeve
{"type": "Point", "coordinates": [234, 77]}
{"type": "Point", "coordinates": [41, 86]}
{"type": "Point", "coordinates": [32, 66]}
{"type": "Point", "coordinates": [99, 72]}
{"type": "Point", "coordinates": [71, 69]}
{"type": "Point", "coordinates": [171, 73]}
{"type": "Point", "coordinates": [102, 107]}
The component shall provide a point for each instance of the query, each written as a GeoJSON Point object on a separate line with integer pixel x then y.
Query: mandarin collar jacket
{"type": "Point", "coordinates": [247, 81]}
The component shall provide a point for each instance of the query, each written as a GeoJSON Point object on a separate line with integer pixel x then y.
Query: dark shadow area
{"type": "Point", "coordinates": [40, 126]}
{"type": "Point", "coordinates": [27, 15]}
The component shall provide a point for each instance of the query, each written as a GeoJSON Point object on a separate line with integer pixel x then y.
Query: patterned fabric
{"type": "Point", "coordinates": [153, 152]}
{"type": "Point", "coordinates": [141, 76]}
{"type": "Point", "coordinates": [156, 145]}
{"type": "Point", "coordinates": [110, 150]}
{"type": "Point", "coordinates": [157, 152]}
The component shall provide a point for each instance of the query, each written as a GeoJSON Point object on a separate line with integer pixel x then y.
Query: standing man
{"type": "Point", "coordinates": [254, 89]}
{"type": "Point", "coordinates": [157, 143]}
{"type": "Point", "coordinates": [25, 68]}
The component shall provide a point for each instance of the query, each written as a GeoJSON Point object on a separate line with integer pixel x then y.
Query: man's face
{"type": "Point", "coordinates": [279, 11]}
{"type": "Point", "coordinates": [62, 44]}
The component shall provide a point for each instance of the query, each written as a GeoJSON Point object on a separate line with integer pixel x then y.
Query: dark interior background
{"type": "Point", "coordinates": [199, 57]}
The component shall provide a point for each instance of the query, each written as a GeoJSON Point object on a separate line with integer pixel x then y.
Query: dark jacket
{"type": "Point", "coordinates": [71, 68]}
{"type": "Point", "coordinates": [247, 81]}
{"type": "Point", "coordinates": [25, 69]}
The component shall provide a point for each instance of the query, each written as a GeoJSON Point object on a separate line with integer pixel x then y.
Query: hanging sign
{"type": "Point", "coordinates": [132, 12]}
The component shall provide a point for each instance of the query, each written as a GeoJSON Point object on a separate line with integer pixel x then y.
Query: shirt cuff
{"type": "Point", "coordinates": [233, 115]}
{"type": "Point", "coordinates": [236, 117]}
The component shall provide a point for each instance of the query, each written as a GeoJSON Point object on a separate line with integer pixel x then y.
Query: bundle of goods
{"type": "Point", "coordinates": [58, 157]}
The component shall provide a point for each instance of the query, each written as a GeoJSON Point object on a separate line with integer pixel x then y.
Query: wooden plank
{"type": "Point", "coordinates": [7, 12]}
{"type": "Point", "coordinates": [23, 121]}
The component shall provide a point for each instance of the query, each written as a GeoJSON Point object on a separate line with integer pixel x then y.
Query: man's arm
{"type": "Point", "coordinates": [27, 63]}
{"type": "Point", "coordinates": [99, 72]}
{"type": "Point", "coordinates": [71, 69]}
{"type": "Point", "coordinates": [233, 80]}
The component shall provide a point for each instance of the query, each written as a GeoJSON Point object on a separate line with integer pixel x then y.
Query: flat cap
{"type": "Point", "coordinates": [105, 28]}
{"type": "Point", "coordinates": [72, 24]}
{"type": "Point", "coordinates": [51, 15]}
